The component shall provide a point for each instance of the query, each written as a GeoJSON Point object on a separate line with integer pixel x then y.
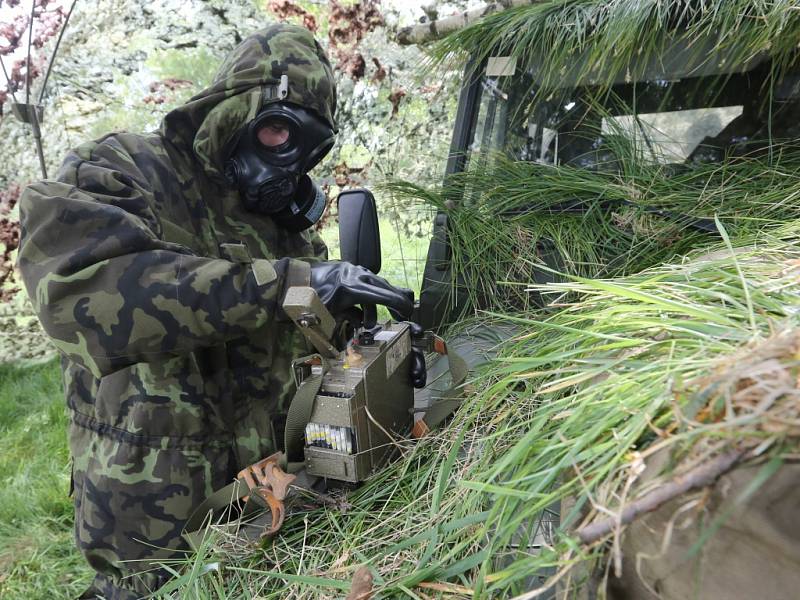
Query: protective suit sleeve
{"type": "Point", "coordinates": [320, 249]}
{"type": "Point", "coordinates": [111, 293]}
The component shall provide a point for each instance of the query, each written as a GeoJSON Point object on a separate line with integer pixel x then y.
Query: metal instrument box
{"type": "Point", "coordinates": [366, 396]}
{"type": "Point", "coordinates": [368, 393]}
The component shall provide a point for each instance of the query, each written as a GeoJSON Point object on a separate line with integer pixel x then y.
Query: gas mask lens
{"type": "Point", "coordinates": [273, 133]}
{"type": "Point", "coordinates": [271, 160]}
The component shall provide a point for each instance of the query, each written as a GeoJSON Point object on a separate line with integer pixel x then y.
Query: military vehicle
{"type": "Point", "coordinates": [677, 111]}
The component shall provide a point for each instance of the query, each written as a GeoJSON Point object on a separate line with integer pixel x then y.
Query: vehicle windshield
{"type": "Point", "coordinates": [658, 121]}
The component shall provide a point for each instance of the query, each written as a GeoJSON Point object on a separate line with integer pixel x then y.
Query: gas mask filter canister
{"type": "Point", "coordinates": [270, 161]}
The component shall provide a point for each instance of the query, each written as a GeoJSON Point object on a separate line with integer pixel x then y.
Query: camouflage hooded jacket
{"type": "Point", "coordinates": [161, 293]}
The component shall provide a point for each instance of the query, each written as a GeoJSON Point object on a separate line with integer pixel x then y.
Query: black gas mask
{"type": "Point", "coordinates": [270, 161]}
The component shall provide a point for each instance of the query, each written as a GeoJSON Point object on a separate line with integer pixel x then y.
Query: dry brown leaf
{"type": "Point", "coordinates": [361, 588]}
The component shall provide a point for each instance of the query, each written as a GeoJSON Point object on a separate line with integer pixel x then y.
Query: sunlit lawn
{"type": "Point", "coordinates": [37, 554]}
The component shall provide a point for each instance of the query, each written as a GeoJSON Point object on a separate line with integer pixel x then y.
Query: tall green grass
{"type": "Point", "coordinates": [571, 409]}
{"type": "Point", "coordinates": [596, 40]}
{"type": "Point", "coordinates": [525, 216]}
{"type": "Point", "coordinates": [38, 558]}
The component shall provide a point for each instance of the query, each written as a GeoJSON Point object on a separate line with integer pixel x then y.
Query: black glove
{"type": "Point", "coordinates": [342, 285]}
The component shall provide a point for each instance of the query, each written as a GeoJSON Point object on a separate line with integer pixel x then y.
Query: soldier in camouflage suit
{"type": "Point", "coordinates": [161, 291]}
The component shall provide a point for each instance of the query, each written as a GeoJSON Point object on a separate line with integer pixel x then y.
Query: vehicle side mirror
{"type": "Point", "coordinates": [359, 234]}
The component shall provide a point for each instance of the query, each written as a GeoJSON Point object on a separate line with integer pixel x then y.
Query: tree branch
{"type": "Point", "coordinates": [28, 61]}
{"type": "Point", "coordinates": [701, 476]}
{"type": "Point", "coordinates": [55, 51]}
{"type": "Point", "coordinates": [426, 32]}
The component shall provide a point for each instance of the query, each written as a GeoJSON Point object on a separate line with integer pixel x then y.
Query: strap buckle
{"type": "Point", "coordinates": [271, 483]}
{"type": "Point", "coordinates": [430, 342]}
{"type": "Point", "coordinates": [301, 367]}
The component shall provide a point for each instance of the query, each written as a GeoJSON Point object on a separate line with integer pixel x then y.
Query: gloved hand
{"type": "Point", "coordinates": [342, 285]}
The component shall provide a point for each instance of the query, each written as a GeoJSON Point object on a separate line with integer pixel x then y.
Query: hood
{"type": "Point", "coordinates": [248, 79]}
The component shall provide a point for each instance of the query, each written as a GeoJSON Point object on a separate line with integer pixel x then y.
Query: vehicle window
{"type": "Point", "coordinates": [671, 136]}
{"type": "Point", "coordinates": [698, 119]}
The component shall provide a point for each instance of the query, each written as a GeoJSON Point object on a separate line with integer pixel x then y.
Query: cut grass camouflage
{"type": "Point", "coordinates": [600, 223]}
{"type": "Point", "coordinates": [695, 358]}
{"type": "Point", "coordinates": [595, 40]}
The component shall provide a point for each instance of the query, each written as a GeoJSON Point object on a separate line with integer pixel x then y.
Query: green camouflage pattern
{"type": "Point", "coordinates": [161, 293]}
{"type": "Point", "coordinates": [249, 79]}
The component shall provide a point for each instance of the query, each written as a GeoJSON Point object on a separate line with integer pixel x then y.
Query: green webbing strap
{"type": "Point", "coordinates": [299, 415]}
{"type": "Point", "coordinates": [203, 515]}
